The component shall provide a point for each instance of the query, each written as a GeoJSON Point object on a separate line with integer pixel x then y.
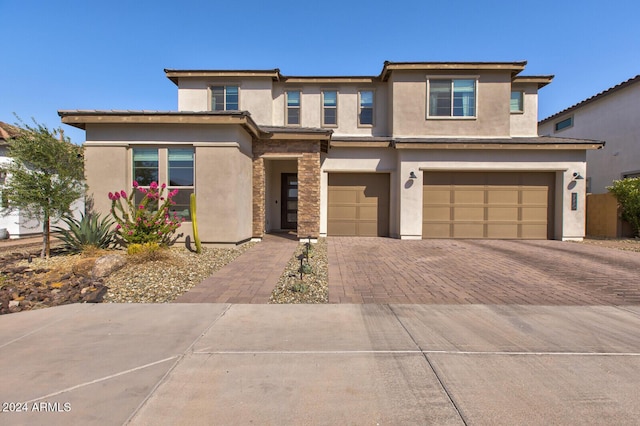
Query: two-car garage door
{"type": "Point", "coordinates": [488, 205]}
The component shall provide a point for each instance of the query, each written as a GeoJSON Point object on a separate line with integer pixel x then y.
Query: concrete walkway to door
{"type": "Point", "coordinates": [250, 278]}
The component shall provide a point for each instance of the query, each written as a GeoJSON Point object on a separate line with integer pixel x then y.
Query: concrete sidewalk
{"type": "Point", "coordinates": [320, 364]}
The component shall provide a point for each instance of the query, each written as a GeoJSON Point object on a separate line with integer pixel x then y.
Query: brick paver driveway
{"type": "Point", "coordinates": [383, 270]}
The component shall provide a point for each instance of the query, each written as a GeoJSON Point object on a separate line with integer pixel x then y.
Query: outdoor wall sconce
{"type": "Point", "coordinates": [412, 175]}
{"type": "Point", "coordinates": [577, 176]}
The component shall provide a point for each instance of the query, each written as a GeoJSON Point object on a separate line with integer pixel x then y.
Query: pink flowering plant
{"type": "Point", "coordinates": [147, 221]}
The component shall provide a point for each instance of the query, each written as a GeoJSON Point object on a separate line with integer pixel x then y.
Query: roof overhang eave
{"type": "Point", "coordinates": [80, 119]}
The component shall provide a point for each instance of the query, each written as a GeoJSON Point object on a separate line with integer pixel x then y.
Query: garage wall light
{"type": "Point", "coordinates": [412, 175]}
{"type": "Point", "coordinates": [577, 176]}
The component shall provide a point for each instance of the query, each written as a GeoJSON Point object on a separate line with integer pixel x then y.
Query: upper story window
{"type": "Point", "coordinates": [330, 108]}
{"type": "Point", "coordinates": [452, 98]}
{"type": "Point", "coordinates": [517, 101]}
{"type": "Point", "coordinates": [365, 108]}
{"type": "Point", "coordinates": [563, 124]}
{"type": "Point", "coordinates": [293, 107]}
{"type": "Point", "coordinates": [224, 98]}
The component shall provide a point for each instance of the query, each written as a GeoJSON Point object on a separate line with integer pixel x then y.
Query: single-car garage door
{"type": "Point", "coordinates": [488, 205]}
{"type": "Point", "coordinates": [358, 204]}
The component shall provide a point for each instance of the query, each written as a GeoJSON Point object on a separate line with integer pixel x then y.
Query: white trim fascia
{"type": "Point", "coordinates": [105, 144]}
{"type": "Point", "coordinates": [358, 170]}
{"type": "Point", "coordinates": [214, 144]}
{"type": "Point", "coordinates": [281, 156]}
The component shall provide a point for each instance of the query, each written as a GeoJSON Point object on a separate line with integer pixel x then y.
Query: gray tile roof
{"type": "Point", "coordinates": [593, 98]}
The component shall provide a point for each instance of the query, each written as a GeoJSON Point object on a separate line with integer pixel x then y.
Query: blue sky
{"type": "Point", "coordinates": [93, 54]}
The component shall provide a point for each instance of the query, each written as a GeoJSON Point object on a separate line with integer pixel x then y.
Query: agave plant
{"type": "Point", "coordinates": [89, 231]}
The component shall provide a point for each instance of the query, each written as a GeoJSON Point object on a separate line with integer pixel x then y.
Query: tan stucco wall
{"type": "Point", "coordinates": [311, 107]}
{"type": "Point", "coordinates": [526, 123]}
{"type": "Point", "coordinates": [614, 119]}
{"type": "Point", "coordinates": [107, 170]}
{"type": "Point", "coordinates": [569, 224]}
{"type": "Point", "coordinates": [223, 193]}
{"type": "Point", "coordinates": [222, 171]}
{"type": "Point", "coordinates": [255, 96]}
{"type": "Point", "coordinates": [410, 106]}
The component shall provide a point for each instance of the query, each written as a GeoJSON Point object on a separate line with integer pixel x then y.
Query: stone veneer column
{"type": "Point", "coordinates": [309, 194]}
{"type": "Point", "coordinates": [258, 197]}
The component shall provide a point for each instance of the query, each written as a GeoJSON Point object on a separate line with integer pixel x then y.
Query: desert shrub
{"type": "Point", "coordinates": [140, 253]}
{"type": "Point", "coordinates": [627, 192]}
{"type": "Point", "coordinates": [89, 232]}
{"type": "Point", "coordinates": [146, 221]}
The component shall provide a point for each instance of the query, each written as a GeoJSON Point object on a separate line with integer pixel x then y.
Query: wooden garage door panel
{"type": "Point", "coordinates": [358, 204]}
{"type": "Point", "coordinates": [468, 213]}
{"type": "Point", "coordinates": [502, 231]}
{"type": "Point", "coordinates": [343, 195]}
{"type": "Point", "coordinates": [468, 196]}
{"type": "Point", "coordinates": [436, 214]}
{"type": "Point", "coordinates": [502, 196]}
{"type": "Point", "coordinates": [488, 205]}
{"type": "Point", "coordinates": [468, 230]}
{"type": "Point", "coordinates": [502, 213]}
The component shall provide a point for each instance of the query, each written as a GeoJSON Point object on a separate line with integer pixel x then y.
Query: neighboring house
{"type": "Point", "coordinates": [422, 150]}
{"type": "Point", "coordinates": [15, 222]}
{"type": "Point", "coordinates": [612, 116]}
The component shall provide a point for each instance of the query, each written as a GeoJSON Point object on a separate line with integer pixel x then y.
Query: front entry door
{"type": "Point", "coordinates": [289, 213]}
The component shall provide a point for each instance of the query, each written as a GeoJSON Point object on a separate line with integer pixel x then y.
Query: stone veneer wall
{"type": "Point", "coordinates": [308, 184]}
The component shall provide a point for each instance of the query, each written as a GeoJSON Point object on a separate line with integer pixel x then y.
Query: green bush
{"type": "Point", "coordinates": [627, 192]}
{"type": "Point", "coordinates": [88, 231]}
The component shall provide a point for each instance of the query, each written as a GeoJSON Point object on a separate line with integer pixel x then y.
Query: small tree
{"type": "Point", "coordinates": [45, 176]}
{"type": "Point", "coordinates": [627, 192]}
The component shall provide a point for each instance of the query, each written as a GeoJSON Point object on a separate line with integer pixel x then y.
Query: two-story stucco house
{"type": "Point", "coordinates": [613, 116]}
{"type": "Point", "coordinates": [422, 150]}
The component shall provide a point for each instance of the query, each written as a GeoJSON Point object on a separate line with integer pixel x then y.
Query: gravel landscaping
{"type": "Point", "coordinates": [164, 279]}
{"type": "Point", "coordinates": [313, 287]}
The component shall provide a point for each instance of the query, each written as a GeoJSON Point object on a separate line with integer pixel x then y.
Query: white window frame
{"type": "Point", "coordinates": [475, 78]}
{"type": "Point", "coordinates": [322, 106]}
{"type": "Point", "coordinates": [224, 86]}
{"type": "Point", "coordinates": [286, 108]}
{"type": "Point", "coordinates": [521, 110]}
{"type": "Point", "coordinates": [373, 108]}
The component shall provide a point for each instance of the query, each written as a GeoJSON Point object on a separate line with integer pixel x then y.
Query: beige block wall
{"type": "Point", "coordinates": [410, 106]}
{"type": "Point", "coordinates": [603, 218]}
